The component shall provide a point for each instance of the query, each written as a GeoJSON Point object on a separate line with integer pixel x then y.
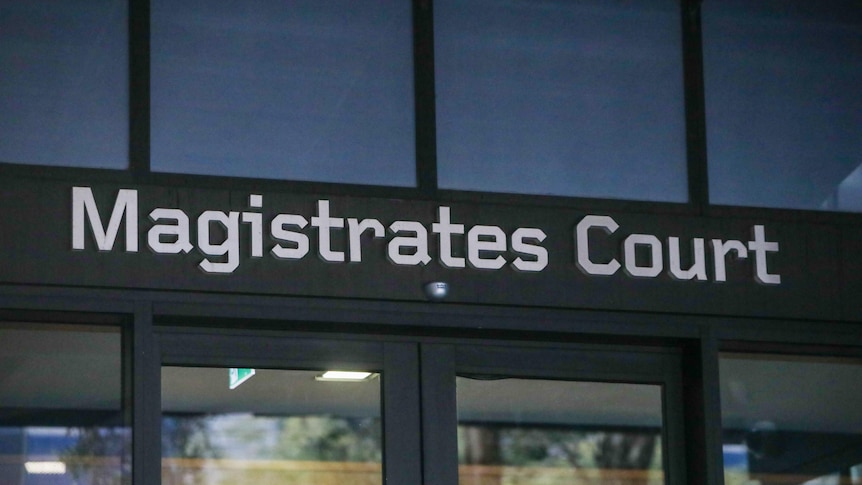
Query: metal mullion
{"type": "Point", "coordinates": [400, 392]}
{"type": "Point", "coordinates": [439, 415]}
{"type": "Point", "coordinates": [139, 86]}
{"type": "Point", "coordinates": [695, 104]}
{"type": "Point", "coordinates": [424, 94]}
{"type": "Point", "coordinates": [146, 398]}
{"type": "Point", "coordinates": [702, 412]}
{"type": "Point", "coordinates": [673, 432]}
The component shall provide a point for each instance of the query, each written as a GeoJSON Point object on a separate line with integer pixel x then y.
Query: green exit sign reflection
{"type": "Point", "coordinates": [238, 376]}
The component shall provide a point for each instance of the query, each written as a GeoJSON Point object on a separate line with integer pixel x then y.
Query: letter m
{"type": "Point", "coordinates": [126, 206]}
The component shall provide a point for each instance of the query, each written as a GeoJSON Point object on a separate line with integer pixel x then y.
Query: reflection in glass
{"type": "Point", "coordinates": [299, 90]}
{"type": "Point", "coordinates": [783, 105]}
{"type": "Point", "coordinates": [791, 420]}
{"type": "Point", "coordinates": [280, 426]}
{"type": "Point", "coordinates": [61, 417]}
{"type": "Point", "coordinates": [532, 432]}
{"type": "Point", "coordinates": [64, 83]}
{"type": "Point", "coordinates": [572, 98]}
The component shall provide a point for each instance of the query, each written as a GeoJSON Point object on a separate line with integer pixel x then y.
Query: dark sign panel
{"type": "Point", "coordinates": [151, 237]}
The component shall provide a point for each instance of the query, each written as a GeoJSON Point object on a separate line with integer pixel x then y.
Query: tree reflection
{"type": "Point", "coordinates": [546, 455]}
{"type": "Point", "coordinates": [99, 456]}
{"type": "Point", "coordinates": [233, 448]}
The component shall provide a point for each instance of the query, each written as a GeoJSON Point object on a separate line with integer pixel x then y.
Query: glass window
{"type": "Point", "coordinates": [61, 415]}
{"type": "Point", "coordinates": [64, 83]}
{"type": "Point", "coordinates": [572, 98]}
{"type": "Point", "coordinates": [790, 420]}
{"type": "Point", "coordinates": [279, 426]}
{"type": "Point", "coordinates": [302, 90]}
{"type": "Point", "coordinates": [783, 104]}
{"type": "Point", "coordinates": [533, 431]}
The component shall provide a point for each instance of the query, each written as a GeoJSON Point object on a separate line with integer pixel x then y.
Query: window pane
{"type": "Point", "coordinates": [302, 90]}
{"type": "Point", "coordinates": [64, 83]}
{"type": "Point", "coordinates": [531, 431]}
{"type": "Point", "coordinates": [280, 426]}
{"type": "Point", "coordinates": [783, 103]}
{"type": "Point", "coordinates": [61, 416]}
{"type": "Point", "coordinates": [573, 98]}
{"type": "Point", "coordinates": [790, 420]}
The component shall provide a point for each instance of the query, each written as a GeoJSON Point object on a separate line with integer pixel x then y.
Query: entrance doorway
{"type": "Point", "coordinates": [415, 410]}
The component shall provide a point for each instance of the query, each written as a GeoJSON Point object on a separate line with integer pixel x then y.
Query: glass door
{"type": "Point", "coordinates": [278, 410]}
{"type": "Point", "coordinates": [266, 409]}
{"type": "Point", "coordinates": [555, 416]}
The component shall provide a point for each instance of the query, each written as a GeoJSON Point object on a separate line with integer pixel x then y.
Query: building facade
{"type": "Point", "coordinates": [550, 242]}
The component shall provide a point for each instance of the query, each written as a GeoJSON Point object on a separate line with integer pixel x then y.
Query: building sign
{"type": "Point", "coordinates": [221, 237]}
{"type": "Point", "coordinates": [667, 259]}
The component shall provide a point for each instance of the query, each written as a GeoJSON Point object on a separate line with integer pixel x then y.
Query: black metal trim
{"type": "Point", "coordinates": [279, 313]}
{"type": "Point", "coordinates": [139, 87]}
{"type": "Point", "coordinates": [402, 420]}
{"type": "Point", "coordinates": [439, 415]}
{"type": "Point", "coordinates": [146, 398]}
{"type": "Point", "coordinates": [424, 94]}
{"type": "Point", "coordinates": [702, 411]}
{"type": "Point", "coordinates": [695, 105]}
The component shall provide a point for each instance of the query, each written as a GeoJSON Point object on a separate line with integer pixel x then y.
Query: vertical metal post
{"type": "Point", "coordinates": [146, 398]}
{"type": "Point", "coordinates": [695, 104]}
{"type": "Point", "coordinates": [704, 459]}
{"type": "Point", "coordinates": [139, 86]}
{"type": "Point", "coordinates": [424, 94]}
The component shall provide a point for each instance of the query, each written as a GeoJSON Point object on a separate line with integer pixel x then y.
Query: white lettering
{"type": "Point", "coordinates": [325, 224]}
{"type": "Point", "coordinates": [126, 206]}
{"type": "Point", "coordinates": [655, 265]}
{"type": "Point", "coordinates": [583, 245]}
{"type": "Point", "coordinates": [229, 246]}
{"type": "Point", "coordinates": [409, 250]}
{"type": "Point", "coordinates": [298, 239]}
{"type": "Point", "coordinates": [178, 238]}
{"type": "Point", "coordinates": [698, 267]}
{"type": "Point", "coordinates": [446, 229]}
{"type": "Point", "coordinates": [720, 249]}
{"type": "Point", "coordinates": [760, 247]}
{"type": "Point", "coordinates": [521, 245]}
{"type": "Point", "coordinates": [486, 239]}
{"type": "Point", "coordinates": [355, 228]}
{"type": "Point", "coordinates": [220, 235]}
{"type": "Point", "coordinates": [255, 219]}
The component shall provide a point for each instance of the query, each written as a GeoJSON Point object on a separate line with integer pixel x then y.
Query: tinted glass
{"type": "Point", "coordinates": [61, 416]}
{"type": "Point", "coordinates": [572, 98]}
{"type": "Point", "coordinates": [532, 431]}
{"type": "Point", "coordinates": [64, 83]}
{"type": "Point", "coordinates": [279, 426]}
{"type": "Point", "coordinates": [791, 420]}
{"type": "Point", "coordinates": [783, 103]}
{"type": "Point", "coordinates": [303, 89]}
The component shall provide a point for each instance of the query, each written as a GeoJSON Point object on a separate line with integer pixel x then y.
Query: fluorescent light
{"type": "Point", "coordinates": [45, 467]}
{"type": "Point", "coordinates": [345, 376]}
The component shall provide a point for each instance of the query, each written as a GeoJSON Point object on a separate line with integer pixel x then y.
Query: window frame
{"type": "Point", "coordinates": [698, 338]}
{"type": "Point", "coordinates": [24, 311]}
{"type": "Point", "coordinates": [444, 361]}
{"type": "Point", "coordinates": [425, 121]}
{"type": "Point", "coordinates": [396, 361]}
{"type": "Point", "coordinates": [788, 344]}
{"type": "Point", "coordinates": [423, 46]}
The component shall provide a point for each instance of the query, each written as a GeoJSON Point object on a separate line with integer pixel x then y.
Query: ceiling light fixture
{"type": "Point", "coordinates": [45, 467]}
{"type": "Point", "coordinates": [345, 376]}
